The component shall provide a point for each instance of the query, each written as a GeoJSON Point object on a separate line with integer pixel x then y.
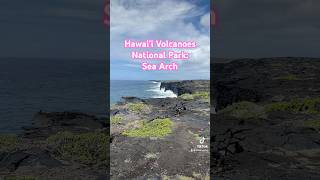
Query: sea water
{"type": "Point", "coordinates": [29, 85]}
{"type": "Point", "coordinates": [140, 89]}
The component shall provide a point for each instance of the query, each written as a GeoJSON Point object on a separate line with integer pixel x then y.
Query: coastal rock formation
{"type": "Point", "coordinates": [267, 121]}
{"type": "Point", "coordinates": [59, 145]}
{"type": "Point", "coordinates": [266, 126]}
{"type": "Point", "coordinates": [187, 86]}
{"type": "Point", "coordinates": [157, 138]}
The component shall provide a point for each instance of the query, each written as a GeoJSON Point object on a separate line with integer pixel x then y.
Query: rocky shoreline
{"type": "Point", "coordinates": [155, 138]}
{"type": "Point", "coordinates": [59, 145]}
{"type": "Point", "coordinates": [266, 127]}
{"type": "Point", "coordinates": [70, 145]}
{"type": "Point", "coordinates": [186, 87]}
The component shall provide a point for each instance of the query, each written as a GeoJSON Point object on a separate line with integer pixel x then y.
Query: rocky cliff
{"type": "Point", "coordinates": [186, 87]}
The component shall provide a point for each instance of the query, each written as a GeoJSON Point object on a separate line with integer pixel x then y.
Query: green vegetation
{"type": "Point", "coordinates": [186, 97]}
{"type": "Point", "coordinates": [155, 128]}
{"type": "Point", "coordinates": [117, 119]}
{"type": "Point", "coordinates": [19, 178]}
{"type": "Point", "coordinates": [249, 110]}
{"type": "Point", "coordinates": [8, 143]}
{"type": "Point", "coordinates": [315, 124]}
{"type": "Point", "coordinates": [165, 177]}
{"type": "Point", "coordinates": [306, 105]}
{"type": "Point", "coordinates": [199, 176]}
{"type": "Point", "coordinates": [198, 95]}
{"type": "Point", "coordinates": [245, 110]}
{"type": "Point", "coordinates": [195, 135]}
{"type": "Point", "coordinates": [136, 107]}
{"type": "Point", "coordinates": [289, 77]}
{"type": "Point", "coordinates": [87, 148]}
{"type": "Point", "coordinates": [185, 178]}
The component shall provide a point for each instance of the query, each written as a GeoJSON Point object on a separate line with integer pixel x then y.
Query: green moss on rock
{"type": "Point", "coordinates": [87, 148]}
{"type": "Point", "coordinates": [155, 128]}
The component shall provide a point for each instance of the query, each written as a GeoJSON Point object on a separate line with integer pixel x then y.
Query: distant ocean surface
{"type": "Point", "coordinates": [141, 89]}
{"type": "Point", "coordinates": [30, 85]}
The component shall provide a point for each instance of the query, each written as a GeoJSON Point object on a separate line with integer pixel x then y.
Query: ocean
{"type": "Point", "coordinates": [141, 89]}
{"type": "Point", "coordinates": [30, 85]}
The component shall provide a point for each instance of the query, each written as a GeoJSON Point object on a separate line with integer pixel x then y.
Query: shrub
{"type": "Point", "coordinates": [8, 143]}
{"type": "Point", "coordinates": [155, 128]}
{"type": "Point", "coordinates": [306, 105]}
{"type": "Point", "coordinates": [116, 119]}
{"type": "Point", "coordinates": [201, 95]}
{"type": "Point", "coordinates": [244, 110]}
{"type": "Point", "coordinates": [136, 107]}
{"type": "Point", "coordinates": [186, 97]}
{"type": "Point", "coordinates": [87, 148]}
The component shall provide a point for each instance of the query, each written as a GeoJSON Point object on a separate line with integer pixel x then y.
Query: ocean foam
{"type": "Point", "coordinates": [160, 92]}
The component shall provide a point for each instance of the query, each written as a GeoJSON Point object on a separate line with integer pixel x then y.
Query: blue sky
{"type": "Point", "coordinates": [184, 20]}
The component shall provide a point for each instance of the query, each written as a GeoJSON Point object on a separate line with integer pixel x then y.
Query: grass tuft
{"type": "Point", "coordinates": [136, 107]}
{"type": "Point", "coordinates": [186, 97]}
{"type": "Point", "coordinates": [87, 148]}
{"type": "Point", "coordinates": [244, 110]}
{"type": "Point", "coordinates": [155, 128]}
{"type": "Point", "coordinates": [306, 105]}
{"type": "Point", "coordinates": [198, 95]}
{"type": "Point", "coordinates": [117, 119]}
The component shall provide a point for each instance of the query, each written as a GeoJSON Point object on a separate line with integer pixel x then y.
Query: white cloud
{"type": "Point", "coordinates": [205, 20]}
{"type": "Point", "coordinates": [166, 19]}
